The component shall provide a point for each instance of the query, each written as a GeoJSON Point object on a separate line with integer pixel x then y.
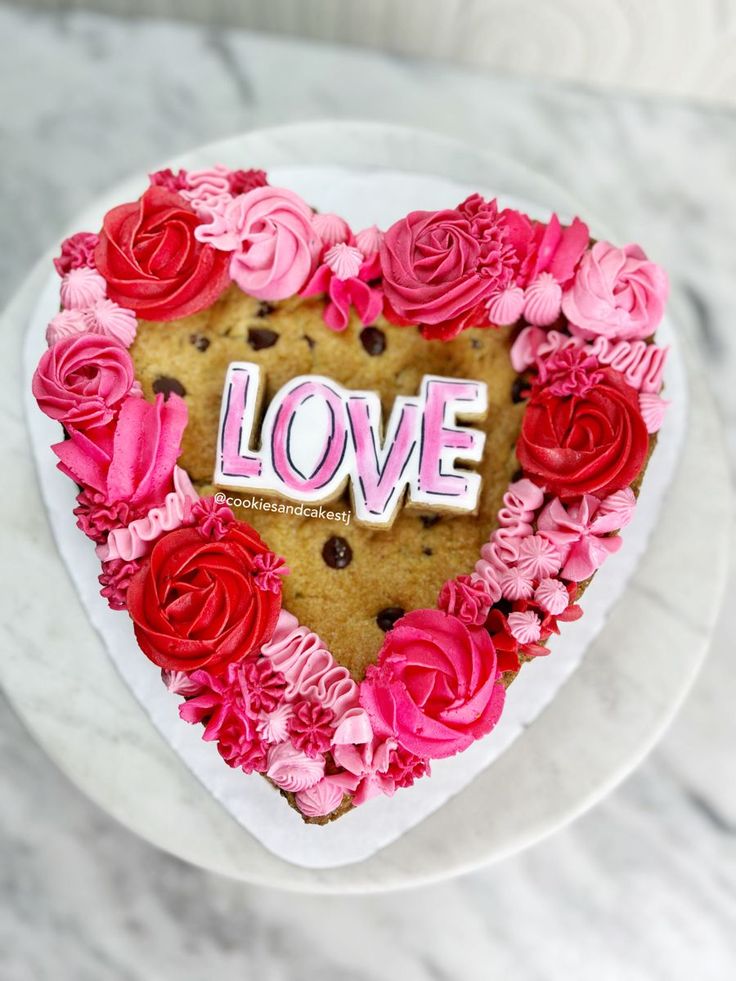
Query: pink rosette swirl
{"type": "Point", "coordinates": [82, 379]}
{"type": "Point", "coordinates": [274, 244]}
{"type": "Point", "coordinates": [435, 687]}
{"type": "Point", "coordinates": [616, 293]}
{"type": "Point", "coordinates": [320, 799]}
{"type": "Point", "coordinates": [292, 770]}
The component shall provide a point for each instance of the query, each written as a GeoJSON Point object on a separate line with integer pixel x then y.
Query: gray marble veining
{"type": "Point", "coordinates": [643, 887]}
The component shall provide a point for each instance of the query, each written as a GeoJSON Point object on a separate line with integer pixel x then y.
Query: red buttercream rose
{"type": "Point", "coordinates": [441, 267]}
{"type": "Point", "coordinates": [152, 262]}
{"type": "Point", "coordinates": [435, 687]}
{"type": "Point", "coordinates": [195, 602]}
{"type": "Point", "coordinates": [594, 443]}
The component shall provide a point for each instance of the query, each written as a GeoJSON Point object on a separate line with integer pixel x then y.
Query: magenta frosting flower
{"type": "Point", "coordinates": [132, 461]}
{"type": "Point", "coordinates": [168, 179]}
{"type": "Point", "coordinates": [222, 707]}
{"type": "Point", "coordinates": [212, 518]}
{"type": "Point", "coordinates": [82, 379]}
{"type": "Point", "coordinates": [440, 268]}
{"type": "Point", "coordinates": [96, 516]}
{"type": "Point", "coordinates": [115, 579]}
{"type": "Point", "coordinates": [616, 293]}
{"type": "Point", "coordinates": [273, 243]}
{"type": "Point", "coordinates": [311, 728]}
{"type": "Point", "coordinates": [569, 371]}
{"type": "Point", "coordinates": [469, 598]}
{"type": "Point", "coordinates": [242, 181]}
{"type": "Point", "coordinates": [77, 252]}
{"type": "Point", "coordinates": [269, 570]}
{"type": "Point", "coordinates": [435, 687]}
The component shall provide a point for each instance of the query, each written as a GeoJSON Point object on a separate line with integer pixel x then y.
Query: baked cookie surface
{"type": "Point", "coordinates": [389, 570]}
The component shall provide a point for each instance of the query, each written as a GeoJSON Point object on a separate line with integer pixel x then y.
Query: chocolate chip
{"type": "Point", "coordinates": [310, 341]}
{"type": "Point", "coordinates": [167, 386]}
{"type": "Point", "coordinates": [337, 553]}
{"type": "Point", "coordinates": [518, 390]}
{"type": "Point", "coordinates": [475, 343]}
{"type": "Point", "coordinates": [260, 337]}
{"type": "Point", "coordinates": [387, 617]}
{"type": "Point", "coordinates": [426, 550]}
{"type": "Point", "coordinates": [265, 309]}
{"type": "Point", "coordinates": [373, 340]}
{"type": "Point", "coordinates": [199, 341]}
{"type": "Point", "coordinates": [430, 520]}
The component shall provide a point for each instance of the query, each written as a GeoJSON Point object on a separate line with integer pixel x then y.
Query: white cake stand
{"type": "Point", "coordinates": [602, 723]}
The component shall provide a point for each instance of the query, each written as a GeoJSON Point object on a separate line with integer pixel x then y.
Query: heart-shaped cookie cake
{"type": "Point", "coordinates": [346, 481]}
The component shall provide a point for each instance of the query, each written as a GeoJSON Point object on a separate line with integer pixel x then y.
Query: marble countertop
{"type": "Point", "coordinates": [644, 886]}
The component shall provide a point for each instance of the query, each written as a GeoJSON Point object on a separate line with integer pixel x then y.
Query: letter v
{"type": "Point", "coordinates": [380, 473]}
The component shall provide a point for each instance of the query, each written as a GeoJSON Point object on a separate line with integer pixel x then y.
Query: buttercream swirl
{"type": "Point", "coordinates": [310, 670]}
{"type": "Point", "coordinates": [320, 799]}
{"type": "Point", "coordinates": [81, 288]}
{"type": "Point", "coordinates": [291, 769]}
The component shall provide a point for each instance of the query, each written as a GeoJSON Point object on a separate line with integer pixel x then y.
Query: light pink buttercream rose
{"type": "Point", "coordinates": [82, 379]}
{"type": "Point", "coordinates": [435, 687]}
{"type": "Point", "coordinates": [274, 244]}
{"type": "Point", "coordinates": [616, 293]}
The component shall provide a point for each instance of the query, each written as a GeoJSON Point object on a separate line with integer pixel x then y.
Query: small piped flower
{"type": "Point", "coordinates": [344, 260]}
{"type": "Point", "coordinates": [273, 727]}
{"type": "Point", "coordinates": [369, 241]}
{"type": "Point", "coordinates": [82, 287]}
{"type": "Point", "coordinates": [64, 324]}
{"type": "Point", "coordinates": [506, 307]}
{"type": "Point", "coordinates": [332, 229]}
{"type": "Point", "coordinates": [569, 371]}
{"type": "Point", "coordinates": [525, 627]}
{"type": "Point", "coordinates": [180, 683]}
{"type": "Point", "coordinates": [107, 317]}
{"type": "Point", "coordinates": [538, 557]}
{"type": "Point", "coordinates": [543, 300]}
{"type": "Point", "coordinates": [551, 596]}
{"type": "Point", "coordinates": [515, 585]}
{"type": "Point", "coordinates": [269, 568]}
{"type": "Point", "coordinates": [311, 729]}
{"type": "Point", "coordinates": [211, 518]}
{"type": "Point", "coordinates": [653, 410]}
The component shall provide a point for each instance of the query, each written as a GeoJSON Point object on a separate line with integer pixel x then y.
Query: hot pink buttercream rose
{"type": "Point", "coordinates": [274, 244]}
{"type": "Point", "coordinates": [435, 687]}
{"type": "Point", "coordinates": [440, 268]}
{"type": "Point", "coordinates": [82, 379]}
{"type": "Point", "coordinates": [617, 293]}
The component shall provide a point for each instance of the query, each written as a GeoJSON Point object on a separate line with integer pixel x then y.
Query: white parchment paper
{"type": "Point", "coordinates": [363, 197]}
